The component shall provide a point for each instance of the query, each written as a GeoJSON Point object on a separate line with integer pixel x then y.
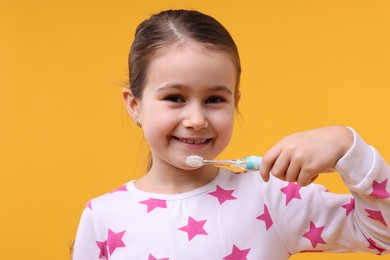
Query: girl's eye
{"type": "Point", "coordinates": [215, 99]}
{"type": "Point", "coordinates": [174, 98]}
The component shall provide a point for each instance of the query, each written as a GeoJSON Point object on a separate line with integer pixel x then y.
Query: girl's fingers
{"type": "Point", "coordinates": [293, 172]}
{"type": "Point", "coordinates": [314, 178]}
{"type": "Point", "coordinates": [265, 168]}
{"type": "Point", "coordinates": [268, 161]}
{"type": "Point", "coordinates": [280, 167]}
{"type": "Point", "coordinates": [302, 156]}
{"type": "Point", "coordinates": [305, 178]}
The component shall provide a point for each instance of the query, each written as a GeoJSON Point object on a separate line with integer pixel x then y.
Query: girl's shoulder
{"type": "Point", "coordinates": [111, 200]}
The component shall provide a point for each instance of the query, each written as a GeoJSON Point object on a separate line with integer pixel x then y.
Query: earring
{"type": "Point", "coordinates": [138, 123]}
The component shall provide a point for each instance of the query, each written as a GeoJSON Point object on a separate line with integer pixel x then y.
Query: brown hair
{"type": "Point", "coordinates": [172, 27]}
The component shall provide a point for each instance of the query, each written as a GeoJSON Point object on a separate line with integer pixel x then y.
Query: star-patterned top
{"type": "Point", "coordinates": [238, 216]}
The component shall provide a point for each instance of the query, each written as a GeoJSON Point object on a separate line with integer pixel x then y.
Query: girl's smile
{"type": "Point", "coordinates": [194, 143]}
{"type": "Point", "coordinates": [187, 106]}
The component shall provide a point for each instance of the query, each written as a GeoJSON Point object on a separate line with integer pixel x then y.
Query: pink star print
{"type": "Point", "coordinates": [222, 195]}
{"type": "Point", "coordinates": [291, 191]}
{"type": "Point", "coordinates": [349, 207]}
{"type": "Point", "coordinates": [154, 203]}
{"type": "Point", "coordinates": [376, 215]}
{"type": "Point", "coordinates": [379, 190]}
{"type": "Point", "coordinates": [266, 217]}
{"type": "Point", "coordinates": [151, 257]}
{"type": "Point", "coordinates": [89, 205]}
{"type": "Point", "coordinates": [237, 254]}
{"type": "Point", "coordinates": [114, 240]}
{"type": "Point", "coordinates": [121, 188]}
{"type": "Point", "coordinates": [375, 247]}
{"type": "Point", "coordinates": [103, 249]}
{"type": "Point", "coordinates": [194, 228]}
{"type": "Point", "coordinates": [314, 235]}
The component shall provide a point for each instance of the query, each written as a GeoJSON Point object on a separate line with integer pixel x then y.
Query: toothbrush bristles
{"type": "Point", "coordinates": [194, 161]}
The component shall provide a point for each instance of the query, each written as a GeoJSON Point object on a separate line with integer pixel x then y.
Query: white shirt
{"type": "Point", "coordinates": [238, 216]}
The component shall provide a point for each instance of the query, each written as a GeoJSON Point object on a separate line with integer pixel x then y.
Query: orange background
{"type": "Point", "coordinates": [65, 136]}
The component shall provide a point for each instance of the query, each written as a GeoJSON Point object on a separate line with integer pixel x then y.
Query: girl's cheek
{"type": "Point", "coordinates": [225, 119]}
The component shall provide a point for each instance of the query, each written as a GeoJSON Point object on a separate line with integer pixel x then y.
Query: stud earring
{"type": "Point", "coordinates": [138, 123]}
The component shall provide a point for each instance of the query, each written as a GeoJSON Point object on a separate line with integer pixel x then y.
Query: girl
{"type": "Point", "coordinates": [184, 78]}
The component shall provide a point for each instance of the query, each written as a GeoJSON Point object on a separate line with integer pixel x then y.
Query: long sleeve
{"type": "Point", "coordinates": [367, 175]}
{"type": "Point", "coordinates": [313, 219]}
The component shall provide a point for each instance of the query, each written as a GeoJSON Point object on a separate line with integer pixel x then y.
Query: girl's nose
{"type": "Point", "coordinates": [195, 119]}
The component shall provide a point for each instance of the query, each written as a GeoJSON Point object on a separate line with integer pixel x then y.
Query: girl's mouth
{"type": "Point", "coordinates": [193, 141]}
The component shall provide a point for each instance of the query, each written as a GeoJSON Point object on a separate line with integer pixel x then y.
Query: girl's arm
{"type": "Point", "coordinates": [312, 218]}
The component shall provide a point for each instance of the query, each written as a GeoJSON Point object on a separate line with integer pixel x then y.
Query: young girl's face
{"type": "Point", "coordinates": [187, 106]}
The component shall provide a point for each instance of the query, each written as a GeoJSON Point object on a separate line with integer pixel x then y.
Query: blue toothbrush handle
{"type": "Point", "coordinates": [253, 162]}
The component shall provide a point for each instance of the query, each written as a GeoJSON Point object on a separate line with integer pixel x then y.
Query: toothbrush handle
{"type": "Point", "coordinates": [253, 162]}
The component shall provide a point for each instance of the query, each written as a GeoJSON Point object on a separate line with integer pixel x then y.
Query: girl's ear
{"type": "Point", "coordinates": [132, 104]}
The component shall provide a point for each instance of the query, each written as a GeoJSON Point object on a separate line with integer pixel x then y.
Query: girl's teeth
{"type": "Point", "coordinates": [193, 141]}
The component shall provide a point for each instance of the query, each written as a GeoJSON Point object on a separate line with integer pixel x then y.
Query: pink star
{"type": "Point", "coordinates": [114, 240]}
{"type": "Point", "coordinates": [222, 195]}
{"type": "Point", "coordinates": [314, 235]}
{"type": "Point", "coordinates": [103, 249]}
{"type": "Point", "coordinates": [194, 228]}
{"type": "Point", "coordinates": [379, 190]}
{"type": "Point", "coordinates": [266, 217]}
{"type": "Point", "coordinates": [89, 205]}
{"type": "Point", "coordinates": [376, 215]}
{"type": "Point", "coordinates": [151, 257]}
{"type": "Point", "coordinates": [237, 254]}
{"type": "Point", "coordinates": [349, 207]}
{"type": "Point", "coordinates": [154, 203]}
{"type": "Point", "coordinates": [291, 191]}
{"type": "Point", "coordinates": [375, 247]}
{"type": "Point", "coordinates": [121, 188]}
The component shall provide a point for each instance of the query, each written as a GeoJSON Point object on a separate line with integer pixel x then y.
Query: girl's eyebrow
{"type": "Point", "coordinates": [181, 87]}
{"type": "Point", "coordinates": [222, 88]}
{"type": "Point", "coordinates": [170, 87]}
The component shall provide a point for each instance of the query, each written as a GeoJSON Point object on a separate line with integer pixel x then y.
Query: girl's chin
{"type": "Point", "coordinates": [191, 169]}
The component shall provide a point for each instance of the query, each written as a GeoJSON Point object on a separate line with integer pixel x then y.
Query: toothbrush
{"type": "Point", "coordinates": [247, 163]}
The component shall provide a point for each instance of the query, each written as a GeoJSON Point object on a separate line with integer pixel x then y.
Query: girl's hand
{"type": "Point", "coordinates": [302, 156]}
